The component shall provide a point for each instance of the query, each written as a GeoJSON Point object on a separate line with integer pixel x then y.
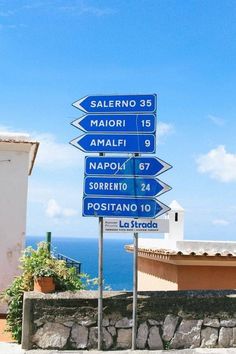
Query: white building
{"type": "Point", "coordinates": [17, 156]}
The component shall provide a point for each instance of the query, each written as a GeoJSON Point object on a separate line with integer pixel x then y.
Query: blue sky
{"type": "Point", "coordinates": [55, 52]}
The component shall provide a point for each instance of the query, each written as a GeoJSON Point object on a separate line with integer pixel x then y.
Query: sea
{"type": "Point", "coordinates": [117, 264]}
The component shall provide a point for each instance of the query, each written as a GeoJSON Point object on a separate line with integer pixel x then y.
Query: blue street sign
{"type": "Point", "coordinates": [117, 103]}
{"type": "Point", "coordinates": [126, 166]}
{"type": "Point", "coordinates": [124, 186]}
{"type": "Point", "coordinates": [113, 143]}
{"type": "Point", "coordinates": [128, 207]}
{"type": "Point", "coordinates": [108, 123]}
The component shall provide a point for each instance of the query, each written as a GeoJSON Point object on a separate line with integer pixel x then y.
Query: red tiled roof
{"type": "Point", "coordinates": [169, 252]}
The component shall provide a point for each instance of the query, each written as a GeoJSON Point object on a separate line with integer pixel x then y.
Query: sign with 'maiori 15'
{"type": "Point", "coordinates": [116, 123]}
{"type": "Point", "coordinates": [117, 103]}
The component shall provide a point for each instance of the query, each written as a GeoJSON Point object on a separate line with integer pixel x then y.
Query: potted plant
{"type": "Point", "coordinates": [41, 267]}
{"type": "Point", "coordinates": [44, 280]}
{"type": "Point", "coordinates": [36, 264]}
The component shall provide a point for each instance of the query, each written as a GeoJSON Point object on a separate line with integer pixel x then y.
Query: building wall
{"type": "Point", "coordinates": [148, 282]}
{"type": "Point", "coordinates": [155, 275]}
{"type": "Point", "coordinates": [206, 277]}
{"type": "Point", "coordinates": [13, 192]}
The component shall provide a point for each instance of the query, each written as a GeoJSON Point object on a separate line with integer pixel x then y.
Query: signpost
{"type": "Point", "coordinates": [124, 186]}
{"type": "Point", "coordinates": [126, 207]}
{"type": "Point", "coordinates": [113, 143]}
{"type": "Point", "coordinates": [125, 166]}
{"type": "Point", "coordinates": [117, 103]}
{"type": "Point", "coordinates": [107, 123]}
{"type": "Point", "coordinates": [119, 187]}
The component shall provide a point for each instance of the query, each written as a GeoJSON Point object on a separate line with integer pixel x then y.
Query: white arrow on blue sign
{"type": "Point", "coordinates": [128, 207]}
{"type": "Point", "coordinates": [125, 166]}
{"type": "Point", "coordinates": [117, 103]}
{"type": "Point", "coordinates": [113, 143]}
{"type": "Point", "coordinates": [108, 123]}
{"type": "Point", "coordinates": [124, 186]}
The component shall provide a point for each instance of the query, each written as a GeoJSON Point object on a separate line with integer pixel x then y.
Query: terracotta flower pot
{"type": "Point", "coordinates": [44, 285]}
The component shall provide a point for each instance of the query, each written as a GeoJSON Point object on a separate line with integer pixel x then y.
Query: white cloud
{"type": "Point", "coordinates": [4, 129]}
{"type": "Point", "coordinates": [164, 129]}
{"type": "Point", "coordinates": [51, 154]}
{"type": "Point", "coordinates": [219, 164]}
{"type": "Point", "coordinates": [220, 222]}
{"type": "Point", "coordinates": [83, 8]}
{"type": "Point", "coordinates": [55, 211]}
{"type": "Point", "coordinates": [96, 11]}
{"type": "Point", "coordinates": [54, 155]}
{"type": "Point", "coordinates": [216, 120]}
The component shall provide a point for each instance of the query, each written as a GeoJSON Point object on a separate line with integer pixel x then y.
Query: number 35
{"type": "Point", "coordinates": [145, 103]}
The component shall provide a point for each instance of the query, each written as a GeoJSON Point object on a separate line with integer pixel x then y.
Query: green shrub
{"type": "Point", "coordinates": [36, 263]}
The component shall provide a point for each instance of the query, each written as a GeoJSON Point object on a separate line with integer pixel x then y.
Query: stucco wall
{"type": "Point", "coordinates": [166, 320]}
{"type": "Point", "coordinates": [158, 275]}
{"type": "Point", "coordinates": [149, 282]}
{"type": "Point", "coordinates": [14, 164]}
{"type": "Point", "coordinates": [206, 277]}
{"type": "Point", "coordinates": [155, 275]}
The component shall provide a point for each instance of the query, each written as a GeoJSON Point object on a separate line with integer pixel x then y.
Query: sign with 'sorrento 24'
{"type": "Point", "coordinates": [117, 103]}
{"type": "Point", "coordinates": [113, 143]}
{"type": "Point", "coordinates": [124, 186]}
{"type": "Point", "coordinates": [136, 225]}
{"type": "Point", "coordinates": [112, 123]}
{"type": "Point", "coordinates": [125, 166]}
{"type": "Point", "coordinates": [128, 207]}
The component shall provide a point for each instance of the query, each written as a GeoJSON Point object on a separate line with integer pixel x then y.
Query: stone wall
{"type": "Point", "coordinates": [166, 320]}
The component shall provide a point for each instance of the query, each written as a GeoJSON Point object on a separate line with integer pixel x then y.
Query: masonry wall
{"type": "Point", "coordinates": [166, 320]}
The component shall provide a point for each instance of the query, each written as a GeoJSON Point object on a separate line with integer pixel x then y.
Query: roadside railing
{"type": "Point", "coordinates": [70, 262]}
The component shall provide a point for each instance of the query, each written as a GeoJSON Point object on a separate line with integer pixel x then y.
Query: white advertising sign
{"type": "Point", "coordinates": [135, 225]}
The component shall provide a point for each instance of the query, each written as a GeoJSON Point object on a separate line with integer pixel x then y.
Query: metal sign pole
{"type": "Point", "coordinates": [100, 280]}
{"type": "Point", "coordinates": [135, 288]}
{"type": "Point", "coordinates": [100, 283]}
{"type": "Point", "coordinates": [135, 285]}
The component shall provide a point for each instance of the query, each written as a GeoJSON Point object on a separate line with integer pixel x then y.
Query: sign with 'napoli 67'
{"type": "Point", "coordinates": [125, 166]}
